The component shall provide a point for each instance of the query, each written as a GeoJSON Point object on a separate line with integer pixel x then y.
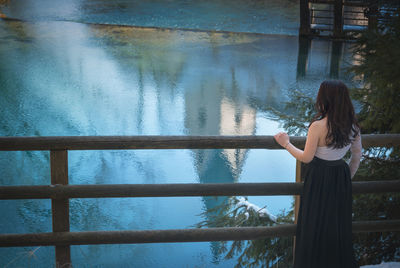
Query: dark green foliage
{"type": "Point", "coordinates": [373, 248]}
{"type": "Point", "coordinates": [378, 54]}
{"type": "Point", "coordinates": [379, 67]}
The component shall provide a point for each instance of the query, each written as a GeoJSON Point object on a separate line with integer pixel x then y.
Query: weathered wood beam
{"type": "Point", "coordinates": [137, 142]}
{"type": "Point", "coordinates": [60, 206]}
{"type": "Point", "coordinates": [305, 27]}
{"type": "Point", "coordinates": [177, 189]}
{"type": "Point", "coordinates": [338, 19]}
{"type": "Point", "coordinates": [171, 236]}
{"type": "Point", "coordinates": [167, 142]}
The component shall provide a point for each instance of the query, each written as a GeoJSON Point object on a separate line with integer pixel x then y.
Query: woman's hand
{"type": "Point", "coordinates": [306, 156]}
{"type": "Point", "coordinates": [282, 138]}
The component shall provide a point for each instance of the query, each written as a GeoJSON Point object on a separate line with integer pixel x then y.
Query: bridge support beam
{"type": "Point", "coordinates": [305, 25]}
{"type": "Point", "coordinates": [338, 19]}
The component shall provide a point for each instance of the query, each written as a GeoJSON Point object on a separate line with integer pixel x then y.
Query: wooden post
{"type": "Point", "coordinates": [60, 207]}
{"type": "Point", "coordinates": [338, 19]}
{"type": "Point", "coordinates": [304, 18]}
{"type": "Point", "coordinates": [298, 179]}
{"type": "Point", "coordinates": [297, 201]}
{"type": "Point", "coordinates": [373, 16]}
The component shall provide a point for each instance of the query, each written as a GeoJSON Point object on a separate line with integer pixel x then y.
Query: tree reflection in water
{"type": "Point", "coordinates": [252, 253]}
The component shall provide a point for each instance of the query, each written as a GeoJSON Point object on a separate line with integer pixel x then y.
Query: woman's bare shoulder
{"type": "Point", "coordinates": [319, 123]}
{"type": "Point", "coordinates": [319, 127]}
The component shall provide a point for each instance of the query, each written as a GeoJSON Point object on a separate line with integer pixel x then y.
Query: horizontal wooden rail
{"type": "Point", "coordinates": [175, 235]}
{"type": "Point", "coordinates": [167, 142]}
{"type": "Point", "coordinates": [137, 142]}
{"type": "Point", "coordinates": [177, 189]}
{"type": "Point", "coordinates": [345, 3]}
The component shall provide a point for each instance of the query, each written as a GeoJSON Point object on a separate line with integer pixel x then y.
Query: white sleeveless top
{"type": "Point", "coordinates": [328, 153]}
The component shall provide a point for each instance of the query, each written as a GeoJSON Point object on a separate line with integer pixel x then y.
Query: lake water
{"type": "Point", "coordinates": [64, 72]}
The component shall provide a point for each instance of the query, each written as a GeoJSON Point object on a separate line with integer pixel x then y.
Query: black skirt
{"type": "Point", "coordinates": [324, 224]}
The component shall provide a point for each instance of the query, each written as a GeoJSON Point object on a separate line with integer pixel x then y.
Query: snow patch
{"type": "Point", "coordinates": [262, 212]}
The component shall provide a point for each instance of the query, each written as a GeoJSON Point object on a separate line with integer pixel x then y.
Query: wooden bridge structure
{"type": "Point", "coordinates": [60, 192]}
{"type": "Point", "coordinates": [336, 18]}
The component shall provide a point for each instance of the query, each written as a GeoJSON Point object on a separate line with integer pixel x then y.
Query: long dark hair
{"type": "Point", "coordinates": [333, 102]}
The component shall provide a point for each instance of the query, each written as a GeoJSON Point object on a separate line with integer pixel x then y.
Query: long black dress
{"type": "Point", "coordinates": [324, 224]}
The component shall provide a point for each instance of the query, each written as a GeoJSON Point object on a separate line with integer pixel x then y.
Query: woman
{"type": "Point", "coordinates": [324, 224]}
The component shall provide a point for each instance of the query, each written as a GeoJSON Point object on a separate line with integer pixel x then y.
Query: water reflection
{"type": "Point", "coordinates": [334, 59]}
{"type": "Point", "coordinates": [217, 81]}
{"type": "Point", "coordinates": [63, 78]}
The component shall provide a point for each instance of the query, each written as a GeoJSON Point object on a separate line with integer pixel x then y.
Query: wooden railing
{"type": "Point", "coordinates": [60, 192]}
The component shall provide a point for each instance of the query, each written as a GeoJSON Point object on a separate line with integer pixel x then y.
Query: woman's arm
{"type": "Point", "coordinates": [311, 143]}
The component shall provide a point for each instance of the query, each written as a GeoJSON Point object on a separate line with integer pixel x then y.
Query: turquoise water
{"type": "Point", "coordinates": [269, 17]}
{"type": "Point", "coordinates": [61, 75]}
